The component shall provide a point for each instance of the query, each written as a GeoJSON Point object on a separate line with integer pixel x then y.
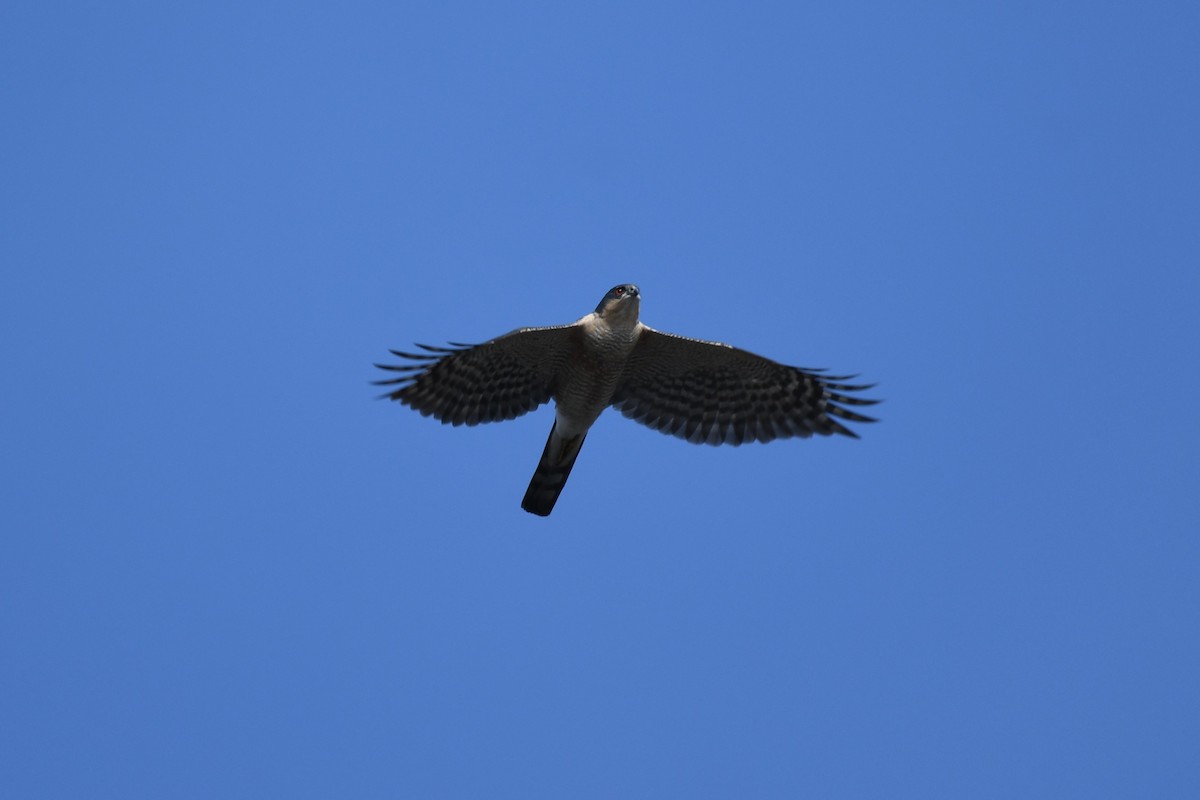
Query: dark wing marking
{"type": "Point", "coordinates": [497, 380]}
{"type": "Point", "coordinates": [707, 392]}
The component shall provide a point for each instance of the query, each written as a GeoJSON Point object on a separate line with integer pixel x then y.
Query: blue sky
{"type": "Point", "coordinates": [228, 571]}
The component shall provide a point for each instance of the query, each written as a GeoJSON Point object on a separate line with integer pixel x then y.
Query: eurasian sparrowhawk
{"type": "Point", "coordinates": [705, 392]}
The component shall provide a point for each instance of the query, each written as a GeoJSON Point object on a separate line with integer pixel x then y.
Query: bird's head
{"type": "Point", "coordinates": [621, 302]}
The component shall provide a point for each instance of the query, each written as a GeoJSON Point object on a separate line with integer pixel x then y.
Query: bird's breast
{"type": "Point", "coordinates": [590, 375]}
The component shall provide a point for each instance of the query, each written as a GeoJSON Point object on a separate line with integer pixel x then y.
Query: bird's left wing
{"type": "Point", "coordinates": [497, 380]}
{"type": "Point", "coordinates": [708, 392]}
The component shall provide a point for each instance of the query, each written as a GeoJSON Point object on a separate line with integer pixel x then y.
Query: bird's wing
{"type": "Point", "coordinates": [708, 392]}
{"type": "Point", "coordinates": [497, 380]}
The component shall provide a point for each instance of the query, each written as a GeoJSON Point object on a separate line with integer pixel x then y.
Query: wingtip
{"type": "Point", "coordinates": [413, 356]}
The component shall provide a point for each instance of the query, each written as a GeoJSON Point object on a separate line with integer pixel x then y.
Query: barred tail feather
{"type": "Point", "coordinates": [552, 472]}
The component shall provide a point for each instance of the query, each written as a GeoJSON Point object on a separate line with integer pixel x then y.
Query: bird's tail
{"type": "Point", "coordinates": [552, 471]}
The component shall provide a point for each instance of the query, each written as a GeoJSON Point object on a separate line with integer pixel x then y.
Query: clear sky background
{"type": "Point", "coordinates": [228, 571]}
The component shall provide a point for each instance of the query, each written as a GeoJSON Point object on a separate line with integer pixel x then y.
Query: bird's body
{"type": "Point", "coordinates": [705, 392]}
{"type": "Point", "coordinates": [590, 374]}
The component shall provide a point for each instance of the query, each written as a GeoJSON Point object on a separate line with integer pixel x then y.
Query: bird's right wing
{"type": "Point", "coordinates": [497, 380]}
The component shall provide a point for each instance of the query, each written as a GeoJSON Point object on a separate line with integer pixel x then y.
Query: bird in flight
{"type": "Point", "coordinates": [704, 392]}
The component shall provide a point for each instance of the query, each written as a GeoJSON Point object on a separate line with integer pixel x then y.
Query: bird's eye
{"type": "Point", "coordinates": [620, 290]}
